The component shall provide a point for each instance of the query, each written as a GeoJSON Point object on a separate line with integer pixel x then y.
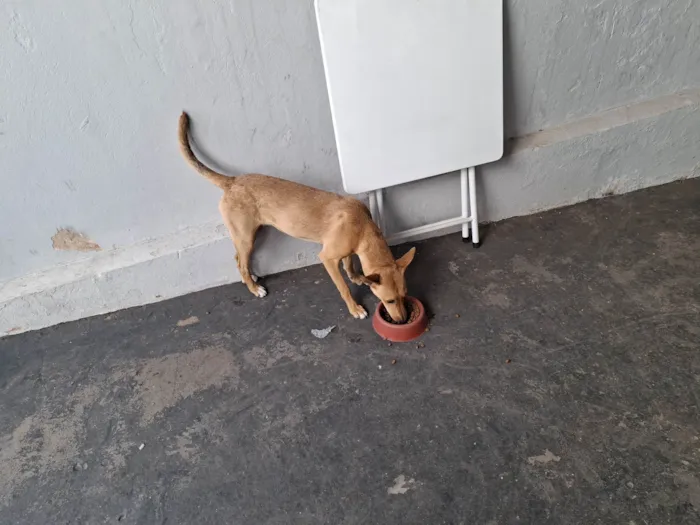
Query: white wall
{"type": "Point", "coordinates": [91, 92]}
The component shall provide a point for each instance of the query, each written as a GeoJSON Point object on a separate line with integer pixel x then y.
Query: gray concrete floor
{"type": "Point", "coordinates": [559, 383]}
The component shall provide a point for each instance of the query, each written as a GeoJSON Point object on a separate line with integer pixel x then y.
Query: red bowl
{"type": "Point", "coordinates": [400, 333]}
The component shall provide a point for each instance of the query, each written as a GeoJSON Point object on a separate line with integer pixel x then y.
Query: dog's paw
{"type": "Point", "coordinates": [260, 291]}
{"type": "Point", "coordinates": [254, 278]}
{"type": "Point", "coordinates": [358, 312]}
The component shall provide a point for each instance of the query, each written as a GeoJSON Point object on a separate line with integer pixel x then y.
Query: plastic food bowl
{"type": "Point", "coordinates": [400, 333]}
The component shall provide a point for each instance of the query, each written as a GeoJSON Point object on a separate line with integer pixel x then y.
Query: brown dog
{"type": "Point", "coordinates": [343, 226]}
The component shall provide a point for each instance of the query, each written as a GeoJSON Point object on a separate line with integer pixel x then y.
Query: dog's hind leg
{"type": "Point", "coordinates": [244, 247]}
{"type": "Point", "coordinates": [252, 275]}
{"type": "Point", "coordinates": [242, 228]}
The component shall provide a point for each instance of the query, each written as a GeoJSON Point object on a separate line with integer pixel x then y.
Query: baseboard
{"type": "Point", "coordinates": [615, 152]}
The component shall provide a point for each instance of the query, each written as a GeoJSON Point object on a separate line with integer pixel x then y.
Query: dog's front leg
{"type": "Point", "coordinates": [333, 268]}
{"type": "Point", "coordinates": [352, 274]}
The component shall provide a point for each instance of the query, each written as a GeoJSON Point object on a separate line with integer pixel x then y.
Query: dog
{"type": "Point", "coordinates": [342, 225]}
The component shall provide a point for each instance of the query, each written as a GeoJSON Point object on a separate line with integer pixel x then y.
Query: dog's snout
{"type": "Point", "coordinates": [403, 312]}
{"type": "Point", "coordinates": [397, 311]}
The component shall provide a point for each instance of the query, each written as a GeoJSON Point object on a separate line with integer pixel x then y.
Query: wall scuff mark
{"type": "Point", "coordinates": [69, 239]}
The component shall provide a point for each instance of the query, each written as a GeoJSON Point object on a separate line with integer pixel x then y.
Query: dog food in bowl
{"type": "Point", "coordinates": [411, 313]}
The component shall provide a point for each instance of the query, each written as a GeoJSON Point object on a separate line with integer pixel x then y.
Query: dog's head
{"type": "Point", "coordinates": [389, 285]}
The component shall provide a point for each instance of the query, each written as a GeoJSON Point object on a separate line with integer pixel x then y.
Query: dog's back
{"type": "Point", "coordinates": [295, 209]}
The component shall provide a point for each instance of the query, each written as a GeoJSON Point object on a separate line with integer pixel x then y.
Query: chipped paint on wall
{"type": "Point", "coordinates": [71, 240]}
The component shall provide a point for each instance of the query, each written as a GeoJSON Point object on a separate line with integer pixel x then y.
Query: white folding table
{"type": "Point", "coordinates": [416, 90]}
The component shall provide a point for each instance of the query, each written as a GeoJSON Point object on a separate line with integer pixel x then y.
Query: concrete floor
{"type": "Point", "coordinates": [559, 383]}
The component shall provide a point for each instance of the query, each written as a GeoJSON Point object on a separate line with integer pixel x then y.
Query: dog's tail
{"type": "Point", "coordinates": [222, 181]}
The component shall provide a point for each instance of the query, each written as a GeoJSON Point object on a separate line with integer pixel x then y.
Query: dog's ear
{"type": "Point", "coordinates": [369, 280]}
{"type": "Point", "coordinates": [406, 259]}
